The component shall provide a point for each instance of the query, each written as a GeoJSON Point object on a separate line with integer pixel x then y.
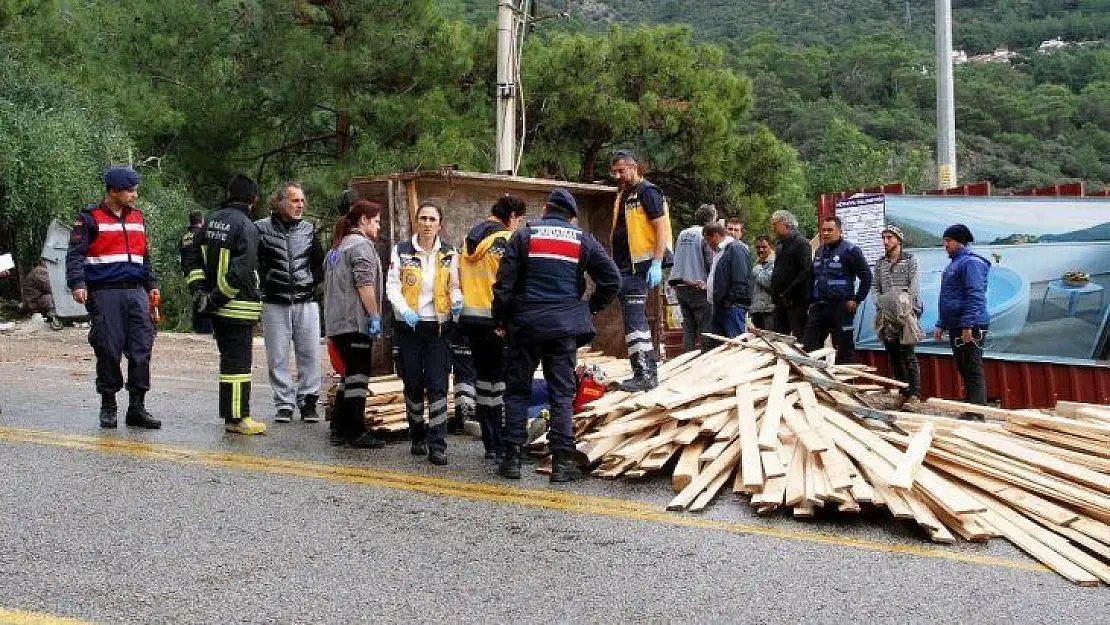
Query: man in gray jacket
{"type": "Point", "coordinates": [897, 308]}
{"type": "Point", "coordinates": [763, 307]}
{"type": "Point", "coordinates": [291, 266]}
{"type": "Point", "coordinates": [692, 258]}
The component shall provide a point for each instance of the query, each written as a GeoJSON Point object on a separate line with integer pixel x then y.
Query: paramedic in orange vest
{"type": "Point", "coordinates": [641, 247]}
{"type": "Point", "coordinates": [423, 289]}
{"type": "Point", "coordinates": [478, 265]}
{"type": "Point", "coordinates": [108, 270]}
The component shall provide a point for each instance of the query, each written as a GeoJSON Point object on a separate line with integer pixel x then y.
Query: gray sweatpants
{"type": "Point", "coordinates": [299, 325]}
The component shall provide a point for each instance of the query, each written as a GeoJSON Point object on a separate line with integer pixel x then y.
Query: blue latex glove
{"type": "Point", "coordinates": [456, 309]}
{"type": "Point", "coordinates": [411, 318]}
{"type": "Point", "coordinates": [655, 274]}
{"type": "Point", "coordinates": [374, 326]}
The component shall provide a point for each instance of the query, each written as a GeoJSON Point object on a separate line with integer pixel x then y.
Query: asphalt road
{"type": "Point", "coordinates": [189, 525]}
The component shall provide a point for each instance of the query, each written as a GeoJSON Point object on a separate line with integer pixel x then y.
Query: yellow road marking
{"type": "Point", "coordinates": [19, 617]}
{"type": "Point", "coordinates": [476, 491]}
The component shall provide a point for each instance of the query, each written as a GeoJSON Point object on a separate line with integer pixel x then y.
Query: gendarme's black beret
{"type": "Point", "coordinates": [121, 177]}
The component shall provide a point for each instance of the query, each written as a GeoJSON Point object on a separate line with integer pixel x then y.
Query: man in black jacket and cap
{"type": "Point", "coordinates": [791, 276]}
{"type": "Point", "coordinates": [538, 305]}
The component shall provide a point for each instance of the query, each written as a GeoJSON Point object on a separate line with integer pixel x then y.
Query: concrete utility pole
{"type": "Point", "coordinates": [506, 88]}
{"type": "Point", "coordinates": [946, 104]}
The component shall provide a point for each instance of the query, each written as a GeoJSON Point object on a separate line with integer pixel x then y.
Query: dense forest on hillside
{"type": "Point", "coordinates": [850, 83]}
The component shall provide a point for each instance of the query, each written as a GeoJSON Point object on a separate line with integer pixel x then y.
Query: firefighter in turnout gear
{"type": "Point", "coordinates": [480, 260]}
{"type": "Point", "coordinates": [642, 247]}
{"type": "Point", "coordinates": [538, 305]}
{"type": "Point", "coordinates": [108, 270]}
{"type": "Point", "coordinates": [423, 289]}
{"type": "Point", "coordinates": [224, 284]}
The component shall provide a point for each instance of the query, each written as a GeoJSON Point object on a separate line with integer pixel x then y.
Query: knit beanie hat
{"type": "Point", "coordinates": [895, 230]}
{"type": "Point", "coordinates": [960, 233]}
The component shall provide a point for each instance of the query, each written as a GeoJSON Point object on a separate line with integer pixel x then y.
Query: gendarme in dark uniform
{"type": "Point", "coordinates": [837, 266]}
{"type": "Point", "coordinates": [108, 270]}
{"type": "Point", "coordinates": [537, 303]}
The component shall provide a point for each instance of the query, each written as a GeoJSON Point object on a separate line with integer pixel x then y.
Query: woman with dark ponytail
{"type": "Point", "coordinates": [353, 317]}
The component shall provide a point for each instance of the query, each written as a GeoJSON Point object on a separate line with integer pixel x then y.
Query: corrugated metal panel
{"type": "Point", "coordinates": [1013, 384]}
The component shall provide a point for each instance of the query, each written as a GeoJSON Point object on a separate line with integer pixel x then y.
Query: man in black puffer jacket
{"type": "Point", "coordinates": [291, 266]}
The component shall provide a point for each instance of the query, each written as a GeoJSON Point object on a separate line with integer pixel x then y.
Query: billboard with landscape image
{"type": "Point", "coordinates": [1050, 270]}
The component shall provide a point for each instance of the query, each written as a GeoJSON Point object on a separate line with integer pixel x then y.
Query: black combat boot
{"type": "Point", "coordinates": [108, 408]}
{"type": "Point", "coordinates": [137, 416]}
{"type": "Point", "coordinates": [437, 456]}
{"type": "Point", "coordinates": [510, 463]}
{"type": "Point", "coordinates": [565, 466]}
{"type": "Point", "coordinates": [643, 374]}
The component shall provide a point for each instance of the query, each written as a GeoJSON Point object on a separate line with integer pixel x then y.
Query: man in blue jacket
{"type": "Point", "coordinates": [538, 307]}
{"type": "Point", "coordinates": [963, 311]}
{"type": "Point", "coordinates": [834, 294]}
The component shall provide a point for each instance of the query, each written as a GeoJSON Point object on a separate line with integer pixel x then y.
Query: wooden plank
{"type": "Point", "coordinates": [1047, 556]}
{"type": "Point", "coordinates": [795, 491]}
{"type": "Point", "coordinates": [1060, 439]}
{"type": "Point", "coordinates": [751, 466]}
{"type": "Point", "coordinates": [1051, 464]}
{"type": "Point", "coordinates": [713, 451]}
{"type": "Point", "coordinates": [710, 492]}
{"type": "Point", "coordinates": [1053, 541]}
{"type": "Point", "coordinates": [723, 464]}
{"type": "Point", "coordinates": [953, 498]}
{"type": "Point", "coordinates": [813, 441]}
{"type": "Point", "coordinates": [772, 413]}
{"type": "Point", "coordinates": [1086, 429]}
{"type": "Point", "coordinates": [772, 463]}
{"type": "Point", "coordinates": [688, 466]}
{"type": "Point", "coordinates": [902, 476]}
{"type": "Point", "coordinates": [868, 376]}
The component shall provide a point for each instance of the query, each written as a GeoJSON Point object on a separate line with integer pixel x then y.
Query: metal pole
{"type": "Point", "coordinates": [946, 105]}
{"type": "Point", "coordinates": [506, 89]}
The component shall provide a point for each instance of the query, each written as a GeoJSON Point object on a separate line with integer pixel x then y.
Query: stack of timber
{"type": "Point", "coordinates": [792, 432]}
{"type": "Point", "coordinates": [385, 401]}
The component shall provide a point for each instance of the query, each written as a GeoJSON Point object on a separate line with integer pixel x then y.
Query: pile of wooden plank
{"type": "Point", "coordinates": [385, 401]}
{"type": "Point", "coordinates": [791, 431]}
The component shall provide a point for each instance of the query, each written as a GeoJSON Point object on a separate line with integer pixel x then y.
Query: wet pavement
{"type": "Point", "coordinates": [190, 525]}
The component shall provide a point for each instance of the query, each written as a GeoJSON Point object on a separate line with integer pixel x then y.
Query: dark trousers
{"type": "Point", "coordinates": [969, 361]}
{"type": "Point", "coordinates": [697, 315]}
{"type": "Point", "coordinates": [489, 360]}
{"type": "Point", "coordinates": [202, 324]}
{"type": "Point", "coordinates": [423, 358]}
{"type": "Point", "coordinates": [633, 296]}
{"type": "Point", "coordinates": [349, 416]}
{"type": "Point", "coordinates": [764, 320]}
{"type": "Point", "coordinates": [120, 326]}
{"type": "Point", "coordinates": [463, 370]}
{"type": "Point", "coordinates": [234, 340]}
{"type": "Point", "coordinates": [558, 357]}
{"type": "Point", "coordinates": [726, 322]}
{"type": "Point", "coordinates": [791, 320]}
{"type": "Point", "coordinates": [903, 364]}
{"type": "Point", "coordinates": [831, 318]}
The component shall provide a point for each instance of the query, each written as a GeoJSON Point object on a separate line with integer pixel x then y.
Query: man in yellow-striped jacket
{"type": "Point", "coordinates": [222, 277]}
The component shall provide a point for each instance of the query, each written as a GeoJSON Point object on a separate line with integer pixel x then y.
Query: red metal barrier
{"type": "Point", "coordinates": [1014, 384]}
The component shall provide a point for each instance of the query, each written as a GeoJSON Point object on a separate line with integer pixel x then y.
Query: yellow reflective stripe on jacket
{"type": "Point", "coordinates": [241, 310]}
{"type": "Point", "coordinates": [411, 276]}
{"type": "Point", "coordinates": [196, 275]}
{"type": "Point", "coordinates": [477, 274]}
{"type": "Point", "coordinates": [641, 232]}
{"type": "Point", "coordinates": [221, 274]}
